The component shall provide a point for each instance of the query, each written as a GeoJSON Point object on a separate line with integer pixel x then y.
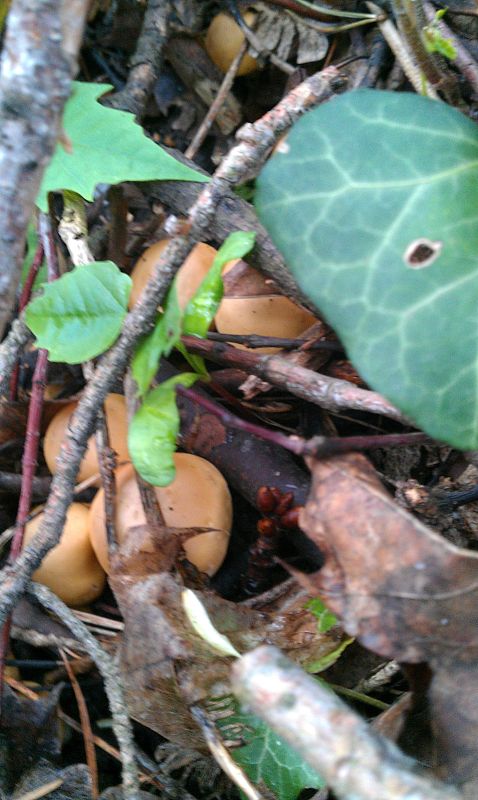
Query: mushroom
{"type": "Point", "coordinates": [197, 498]}
{"type": "Point", "coordinates": [117, 421]}
{"type": "Point", "coordinates": [224, 39]}
{"type": "Point", "coordinates": [189, 276]}
{"type": "Point", "coordinates": [70, 569]}
{"type": "Point", "coordinates": [253, 304]}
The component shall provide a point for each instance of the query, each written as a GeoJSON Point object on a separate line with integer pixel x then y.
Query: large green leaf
{"type": "Point", "coordinates": [267, 759]}
{"type": "Point", "coordinates": [104, 145]}
{"type": "Point", "coordinates": [358, 182]}
{"type": "Point", "coordinates": [80, 315]}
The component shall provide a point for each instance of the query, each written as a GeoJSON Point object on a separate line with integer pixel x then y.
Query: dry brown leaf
{"type": "Point", "coordinates": [166, 666]}
{"type": "Point", "coordinates": [405, 592]}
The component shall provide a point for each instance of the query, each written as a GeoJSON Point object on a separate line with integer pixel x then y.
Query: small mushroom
{"type": "Point", "coordinates": [224, 39]}
{"type": "Point", "coordinates": [197, 498]}
{"type": "Point", "coordinates": [253, 304]}
{"type": "Point", "coordinates": [117, 421]}
{"type": "Point", "coordinates": [189, 276]}
{"type": "Point", "coordinates": [70, 569]}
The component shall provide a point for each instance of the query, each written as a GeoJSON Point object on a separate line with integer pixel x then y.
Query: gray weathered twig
{"type": "Point", "coordinates": [356, 762]}
{"type": "Point", "coordinates": [37, 64]}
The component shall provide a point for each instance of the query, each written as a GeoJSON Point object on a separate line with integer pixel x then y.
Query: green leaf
{"type": "Point", "coordinates": [107, 146]}
{"type": "Point", "coordinates": [202, 307]}
{"type": "Point", "coordinates": [159, 342]}
{"type": "Point", "coordinates": [435, 42]}
{"type": "Point", "coordinates": [325, 619]}
{"type": "Point", "coordinates": [80, 315]}
{"type": "Point", "coordinates": [267, 759]}
{"type": "Point", "coordinates": [365, 188]}
{"type": "Point", "coordinates": [154, 429]}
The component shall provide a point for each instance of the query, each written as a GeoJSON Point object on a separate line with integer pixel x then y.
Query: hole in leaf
{"type": "Point", "coordinates": [421, 253]}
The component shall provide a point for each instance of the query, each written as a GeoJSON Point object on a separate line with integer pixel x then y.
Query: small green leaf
{"type": "Point", "coordinates": [267, 758]}
{"type": "Point", "coordinates": [374, 205]}
{"type": "Point", "coordinates": [159, 342]}
{"type": "Point", "coordinates": [329, 658]}
{"type": "Point", "coordinates": [435, 42]}
{"type": "Point", "coordinates": [105, 146]}
{"type": "Point", "coordinates": [203, 305]}
{"type": "Point", "coordinates": [154, 429]}
{"type": "Point", "coordinates": [80, 315]}
{"type": "Point", "coordinates": [325, 619]}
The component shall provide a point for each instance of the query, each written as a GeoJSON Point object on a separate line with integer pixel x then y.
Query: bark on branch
{"type": "Point", "coordinates": [356, 762]}
{"type": "Point", "coordinates": [38, 58]}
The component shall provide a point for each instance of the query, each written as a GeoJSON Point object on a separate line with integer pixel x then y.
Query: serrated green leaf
{"type": "Point", "coordinates": [365, 188]}
{"type": "Point", "coordinates": [154, 429]}
{"type": "Point", "coordinates": [80, 315]}
{"type": "Point", "coordinates": [107, 146]}
{"type": "Point", "coordinates": [267, 759]}
{"type": "Point", "coordinates": [159, 342]}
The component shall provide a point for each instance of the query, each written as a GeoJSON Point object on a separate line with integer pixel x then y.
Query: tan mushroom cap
{"type": "Point", "coordinates": [198, 497]}
{"type": "Point", "coordinates": [224, 39]}
{"type": "Point", "coordinates": [189, 276]}
{"type": "Point", "coordinates": [70, 569]}
{"type": "Point", "coordinates": [263, 313]}
{"type": "Point", "coordinates": [117, 420]}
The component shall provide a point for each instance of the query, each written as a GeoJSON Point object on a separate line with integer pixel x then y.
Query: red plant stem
{"type": "Point", "coordinates": [24, 299]}
{"type": "Point", "coordinates": [318, 446]}
{"type": "Point", "coordinates": [32, 436]}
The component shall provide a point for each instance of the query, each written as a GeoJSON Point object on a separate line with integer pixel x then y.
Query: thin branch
{"type": "Point", "coordinates": [111, 675]}
{"type": "Point", "coordinates": [333, 394]}
{"type": "Point", "coordinates": [37, 64]}
{"type": "Point", "coordinates": [317, 446]}
{"type": "Point", "coordinates": [355, 762]}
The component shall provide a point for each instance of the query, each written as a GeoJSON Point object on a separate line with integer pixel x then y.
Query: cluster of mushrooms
{"type": "Point", "coordinates": [199, 497]}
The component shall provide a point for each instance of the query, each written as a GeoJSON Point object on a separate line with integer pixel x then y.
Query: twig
{"type": "Point", "coordinates": [85, 726]}
{"type": "Point", "coordinates": [147, 60]}
{"type": "Point", "coordinates": [333, 394]}
{"type": "Point", "coordinates": [256, 142]}
{"type": "Point", "coordinates": [38, 60]}
{"type": "Point", "coordinates": [222, 756]}
{"type": "Point", "coordinates": [110, 673]}
{"type": "Point", "coordinates": [254, 340]}
{"type": "Point", "coordinates": [11, 482]}
{"type": "Point", "coordinates": [317, 446]}
{"type": "Point", "coordinates": [356, 762]}
{"type": "Point", "coordinates": [32, 439]}
{"type": "Point", "coordinates": [402, 53]}
{"type": "Point", "coordinates": [216, 105]}
{"type": "Point", "coordinates": [24, 299]}
{"type": "Point", "coordinates": [11, 348]}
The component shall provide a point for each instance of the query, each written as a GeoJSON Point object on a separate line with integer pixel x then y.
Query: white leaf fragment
{"type": "Point", "coordinates": [200, 621]}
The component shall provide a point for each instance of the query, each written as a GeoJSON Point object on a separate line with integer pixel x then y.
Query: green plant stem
{"type": "Point", "coordinates": [360, 696]}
